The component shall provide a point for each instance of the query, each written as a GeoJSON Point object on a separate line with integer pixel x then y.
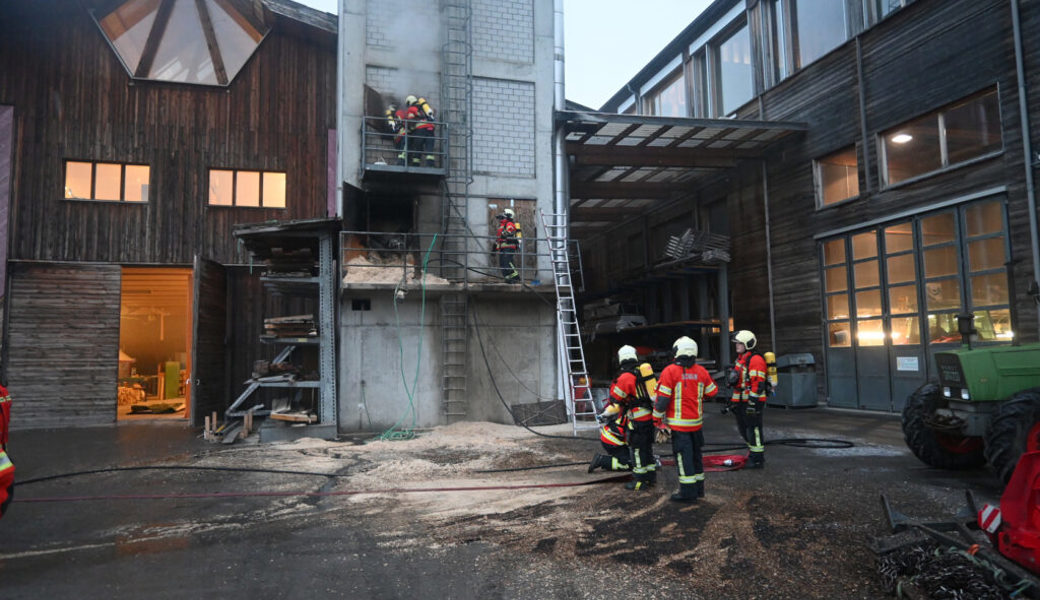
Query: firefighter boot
{"type": "Point", "coordinates": [687, 493]}
{"type": "Point", "coordinates": [600, 461]}
{"type": "Point", "coordinates": [640, 483]}
{"type": "Point", "coordinates": [756, 460]}
{"type": "Point", "coordinates": [699, 488]}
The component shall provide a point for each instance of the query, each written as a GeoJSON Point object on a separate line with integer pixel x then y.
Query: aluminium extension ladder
{"type": "Point", "coordinates": [570, 353]}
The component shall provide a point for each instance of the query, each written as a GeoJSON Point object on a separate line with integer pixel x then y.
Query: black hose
{"type": "Point", "coordinates": [172, 468]}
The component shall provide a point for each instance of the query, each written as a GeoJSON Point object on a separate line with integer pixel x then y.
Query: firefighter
{"type": "Point", "coordinates": [612, 436]}
{"type": "Point", "coordinates": [748, 380]}
{"type": "Point", "coordinates": [420, 120]}
{"type": "Point", "coordinates": [6, 467]}
{"type": "Point", "coordinates": [507, 242]}
{"type": "Point", "coordinates": [396, 119]}
{"type": "Point", "coordinates": [679, 409]}
{"type": "Point", "coordinates": [630, 391]}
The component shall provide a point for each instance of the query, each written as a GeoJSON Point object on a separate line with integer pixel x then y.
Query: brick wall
{"type": "Point", "coordinates": [503, 133]}
{"type": "Point", "coordinates": [504, 29]}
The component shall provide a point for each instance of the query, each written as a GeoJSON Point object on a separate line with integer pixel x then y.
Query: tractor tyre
{"type": "Point", "coordinates": [936, 448]}
{"type": "Point", "coordinates": [1014, 430]}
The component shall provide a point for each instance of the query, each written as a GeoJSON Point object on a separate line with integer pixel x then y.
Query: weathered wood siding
{"type": "Point", "coordinates": [210, 383]}
{"type": "Point", "coordinates": [64, 322]}
{"type": "Point", "coordinates": [74, 100]}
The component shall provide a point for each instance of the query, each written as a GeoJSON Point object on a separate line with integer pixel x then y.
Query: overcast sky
{"type": "Point", "coordinates": [606, 41]}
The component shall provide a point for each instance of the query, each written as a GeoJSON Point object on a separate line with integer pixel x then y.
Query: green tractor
{"type": "Point", "coordinates": [984, 410]}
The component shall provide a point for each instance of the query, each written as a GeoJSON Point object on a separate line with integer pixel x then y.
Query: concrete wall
{"type": "Point", "coordinates": [515, 333]}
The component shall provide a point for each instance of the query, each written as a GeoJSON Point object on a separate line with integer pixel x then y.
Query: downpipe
{"type": "Point", "coordinates": [560, 175]}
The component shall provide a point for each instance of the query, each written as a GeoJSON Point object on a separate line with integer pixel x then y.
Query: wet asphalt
{"type": "Point", "coordinates": [213, 546]}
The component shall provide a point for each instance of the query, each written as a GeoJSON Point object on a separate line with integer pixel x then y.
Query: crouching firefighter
{"type": "Point", "coordinates": [679, 408]}
{"type": "Point", "coordinates": [750, 387]}
{"type": "Point", "coordinates": [633, 390]}
{"type": "Point", "coordinates": [6, 467]}
{"type": "Point", "coordinates": [612, 436]}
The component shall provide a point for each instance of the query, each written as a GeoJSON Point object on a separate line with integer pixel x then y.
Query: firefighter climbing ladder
{"type": "Point", "coordinates": [570, 353]}
{"type": "Point", "coordinates": [456, 102]}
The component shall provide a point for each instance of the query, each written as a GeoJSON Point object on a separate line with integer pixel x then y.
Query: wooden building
{"type": "Point", "coordinates": [860, 238]}
{"type": "Point", "coordinates": [133, 135]}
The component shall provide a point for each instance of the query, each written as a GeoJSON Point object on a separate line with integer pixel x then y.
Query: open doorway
{"type": "Point", "coordinates": [154, 343]}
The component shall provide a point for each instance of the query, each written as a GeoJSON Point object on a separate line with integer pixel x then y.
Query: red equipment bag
{"type": "Point", "coordinates": [6, 467]}
{"type": "Point", "coordinates": [1019, 534]}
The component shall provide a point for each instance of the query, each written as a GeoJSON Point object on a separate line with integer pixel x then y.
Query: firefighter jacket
{"type": "Point", "coordinates": [420, 115]}
{"type": "Point", "coordinates": [395, 121]}
{"type": "Point", "coordinates": [631, 395]}
{"type": "Point", "coordinates": [680, 397]}
{"type": "Point", "coordinates": [751, 378]}
{"type": "Point", "coordinates": [509, 235]}
{"type": "Point", "coordinates": [613, 432]}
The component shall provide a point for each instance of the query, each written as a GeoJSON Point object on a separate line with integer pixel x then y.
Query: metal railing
{"type": "Point", "coordinates": [381, 148]}
{"type": "Point", "coordinates": [369, 257]}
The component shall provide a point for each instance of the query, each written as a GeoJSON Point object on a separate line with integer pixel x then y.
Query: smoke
{"type": "Point", "coordinates": [409, 46]}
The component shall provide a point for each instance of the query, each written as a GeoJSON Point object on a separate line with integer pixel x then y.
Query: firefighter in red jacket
{"type": "Point", "coordinates": [507, 242]}
{"type": "Point", "coordinates": [613, 437]}
{"type": "Point", "coordinates": [6, 467]}
{"type": "Point", "coordinates": [629, 391]}
{"type": "Point", "coordinates": [748, 380]}
{"type": "Point", "coordinates": [679, 408]}
{"type": "Point", "coordinates": [396, 122]}
{"type": "Point", "coordinates": [420, 142]}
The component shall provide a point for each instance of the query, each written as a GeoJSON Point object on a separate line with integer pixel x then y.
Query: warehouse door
{"type": "Point", "coordinates": [155, 322]}
{"type": "Point", "coordinates": [208, 376]}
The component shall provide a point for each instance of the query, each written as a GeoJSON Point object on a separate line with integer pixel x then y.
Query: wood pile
{"type": "Point", "coordinates": [291, 326]}
{"type": "Point", "coordinates": [291, 263]}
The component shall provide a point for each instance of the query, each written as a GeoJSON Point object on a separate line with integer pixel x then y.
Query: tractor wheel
{"type": "Point", "coordinates": [936, 448]}
{"type": "Point", "coordinates": [1015, 429]}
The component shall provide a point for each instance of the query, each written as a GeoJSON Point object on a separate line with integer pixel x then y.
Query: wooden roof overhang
{"type": "Point", "coordinates": [625, 165]}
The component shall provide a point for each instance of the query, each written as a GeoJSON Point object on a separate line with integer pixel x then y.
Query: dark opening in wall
{"type": "Point", "coordinates": [361, 304]}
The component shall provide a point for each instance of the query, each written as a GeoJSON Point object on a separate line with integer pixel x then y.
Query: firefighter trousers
{"type": "Point", "coordinates": [641, 440]}
{"type": "Point", "coordinates": [689, 460]}
{"type": "Point", "coordinates": [750, 427]}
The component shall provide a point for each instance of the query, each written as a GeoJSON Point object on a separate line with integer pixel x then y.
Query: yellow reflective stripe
{"type": "Point", "coordinates": [617, 391]}
{"type": "Point", "coordinates": [658, 414]}
{"type": "Point", "coordinates": [757, 373]}
{"type": "Point", "coordinates": [684, 422]}
{"type": "Point", "coordinates": [4, 399]}
{"type": "Point", "coordinates": [757, 446]}
{"type": "Point", "coordinates": [664, 390]}
{"type": "Point", "coordinates": [636, 413]}
{"type": "Point", "coordinates": [5, 462]}
{"type": "Point", "coordinates": [711, 388]}
{"type": "Point", "coordinates": [755, 394]}
{"type": "Point", "coordinates": [677, 403]}
{"type": "Point", "coordinates": [611, 437]}
{"type": "Point", "coordinates": [691, 478]}
{"type": "Point", "coordinates": [617, 465]}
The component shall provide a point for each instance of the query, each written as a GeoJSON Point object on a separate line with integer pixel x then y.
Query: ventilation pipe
{"type": "Point", "coordinates": [560, 172]}
{"type": "Point", "coordinates": [1027, 149]}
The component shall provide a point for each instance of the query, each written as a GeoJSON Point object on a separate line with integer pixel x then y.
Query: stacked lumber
{"type": "Point", "coordinates": [291, 326]}
{"type": "Point", "coordinates": [291, 263]}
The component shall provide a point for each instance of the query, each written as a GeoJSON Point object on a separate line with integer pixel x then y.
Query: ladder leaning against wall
{"type": "Point", "coordinates": [569, 350]}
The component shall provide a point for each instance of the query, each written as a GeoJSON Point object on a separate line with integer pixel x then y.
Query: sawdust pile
{"type": "Point", "coordinates": [374, 269]}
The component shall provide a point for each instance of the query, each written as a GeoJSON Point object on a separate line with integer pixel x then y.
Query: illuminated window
{"type": "Point", "coordinates": [255, 189]}
{"type": "Point", "coordinates": [117, 182]}
{"type": "Point", "coordinates": [946, 137]}
{"type": "Point", "coordinates": [189, 41]}
{"type": "Point", "coordinates": [837, 177]}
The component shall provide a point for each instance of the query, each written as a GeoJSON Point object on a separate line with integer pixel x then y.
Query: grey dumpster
{"type": "Point", "coordinates": [797, 380]}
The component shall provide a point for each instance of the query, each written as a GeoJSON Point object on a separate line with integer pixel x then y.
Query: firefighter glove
{"type": "Point", "coordinates": [662, 436]}
{"type": "Point", "coordinates": [732, 378]}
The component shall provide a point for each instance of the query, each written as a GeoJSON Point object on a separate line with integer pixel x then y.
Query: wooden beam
{"type": "Point", "coordinates": [715, 158]}
{"type": "Point", "coordinates": [211, 42]}
{"type": "Point", "coordinates": [151, 45]}
{"type": "Point", "coordinates": [605, 214]}
{"type": "Point", "coordinates": [620, 190]}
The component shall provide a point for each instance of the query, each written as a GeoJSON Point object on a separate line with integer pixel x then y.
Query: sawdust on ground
{"type": "Point", "coordinates": [373, 269]}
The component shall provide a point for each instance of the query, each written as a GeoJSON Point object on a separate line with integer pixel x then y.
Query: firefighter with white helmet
{"type": "Point", "coordinates": [632, 393]}
{"type": "Point", "coordinates": [507, 243]}
{"type": "Point", "coordinates": [679, 408]}
{"type": "Point", "coordinates": [750, 388]}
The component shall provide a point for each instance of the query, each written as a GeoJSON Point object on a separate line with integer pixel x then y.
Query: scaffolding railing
{"type": "Point", "coordinates": [383, 149]}
{"type": "Point", "coordinates": [380, 257]}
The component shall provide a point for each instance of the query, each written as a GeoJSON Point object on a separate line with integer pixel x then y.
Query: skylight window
{"type": "Point", "coordinates": [188, 41]}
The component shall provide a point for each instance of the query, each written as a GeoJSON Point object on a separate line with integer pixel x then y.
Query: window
{"type": "Point", "coordinates": [117, 182]}
{"type": "Point", "coordinates": [702, 104]}
{"type": "Point", "coordinates": [819, 27]}
{"type": "Point", "coordinates": [836, 297]}
{"type": "Point", "coordinates": [200, 41]}
{"type": "Point", "coordinates": [775, 65]}
{"type": "Point", "coordinates": [668, 99]}
{"type": "Point", "coordinates": [875, 10]}
{"type": "Point", "coordinates": [946, 137]}
{"type": "Point", "coordinates": [259, 189]}
{"type": "Point", "coordinates": [837, 177]}
{"type": "Point", "coordinates": [733, 76]}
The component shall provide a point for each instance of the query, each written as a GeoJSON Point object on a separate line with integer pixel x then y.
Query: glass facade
{"type": "Point", "coordinates": [934, 266]}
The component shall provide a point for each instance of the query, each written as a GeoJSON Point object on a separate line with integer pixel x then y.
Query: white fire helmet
{"type": "Point", "coordinates": [745, 337]}
{"type": "Point", "coordinates": [410, 100]}
{"type": "Point", "coordinates": [684, 346]}
{"type": "Point", "coordinates": [626, 353]}
{"type": "Point", "coordinates": [509, 213]}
